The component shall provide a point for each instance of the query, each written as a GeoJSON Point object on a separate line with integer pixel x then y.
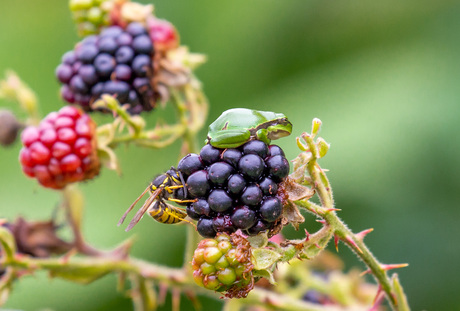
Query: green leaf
{"type": "Point", "coordinates": [263, 258]}
{"type": "Point", "coordinates": [259, 240]}
{"type": "Point", "coordinates": [265, 274]}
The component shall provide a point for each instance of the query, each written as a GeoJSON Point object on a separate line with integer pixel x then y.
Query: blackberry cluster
{"type": "Point", "coordinates": [117, 62]}
{"type": "Point", "coordinates": [90, 15]}
{"type": "Point", "coordinates": [61, 150]}
{"type": "Point", "coordinates": [235, 188]}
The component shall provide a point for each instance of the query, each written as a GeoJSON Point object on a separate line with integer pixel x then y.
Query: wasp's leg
{"type": "Point", "coordinates": [176, 216]}
{"type": "Point", "coordinates": [182, 201]}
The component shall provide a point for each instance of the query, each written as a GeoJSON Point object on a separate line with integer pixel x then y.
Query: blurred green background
{"type": "Point", "coordinates": [383, 76]}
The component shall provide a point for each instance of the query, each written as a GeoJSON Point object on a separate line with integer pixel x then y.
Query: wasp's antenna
{"type": "Point", "coordinates": [122, 219]}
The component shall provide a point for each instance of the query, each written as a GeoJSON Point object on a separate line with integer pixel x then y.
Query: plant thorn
{"type": "Point", "coordinates": [336, 242]}
{"type": "Point", "coordinates": [321, 221]}
{"type": "Point", "coordinates": [353, 243]}
{"type": "Point", "coordinates": [362, 234]}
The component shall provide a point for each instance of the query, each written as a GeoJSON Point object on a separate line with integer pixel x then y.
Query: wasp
{"type": "Point", "coordinates": [163, 188]}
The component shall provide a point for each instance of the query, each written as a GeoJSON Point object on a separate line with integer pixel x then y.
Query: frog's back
{"type": "Point", "coordinates": [238, 118]}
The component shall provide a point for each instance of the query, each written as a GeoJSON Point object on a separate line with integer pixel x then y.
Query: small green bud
{"type": "Point", "coordinates": [211, 282]}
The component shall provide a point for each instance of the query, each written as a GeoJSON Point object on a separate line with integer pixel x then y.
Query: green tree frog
{"type": "Point", "coordinates": [237, 126]}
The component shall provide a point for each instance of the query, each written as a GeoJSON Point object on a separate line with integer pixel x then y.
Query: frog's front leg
{"type": "Point", "coordinates": [262, 135]}
{"type": "Point", "coordinates": [230, 138]}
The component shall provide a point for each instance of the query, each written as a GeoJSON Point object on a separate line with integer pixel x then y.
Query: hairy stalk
{"type": "Point", "coordinates": [341, 231]}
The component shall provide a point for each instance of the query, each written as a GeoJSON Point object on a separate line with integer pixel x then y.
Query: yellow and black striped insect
{"type": "Point", "coordinates": [162, 188]}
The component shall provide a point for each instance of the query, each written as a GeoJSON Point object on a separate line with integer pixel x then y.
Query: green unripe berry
{"type": "Point", "coordinates": [207, 268]}
{"type": "Point", "coordinates": [231, 257]}
{"type": "Point", "coordinates": [212, 255]}
{"type": "Point", "coordinates": [211, 282]}
{"type": "Point", "coordinates": [224, 246]}
{"type": "Point", "coordinates": [222, 263]}
{"type": "Point", "coordinates": [76, 5]}
{"type": "Point", "coordinates": [198, 277]}
{"type": "Point", "coordinates": [199, 256]}
{"type": "Point", "coordinates": [227, 276]}
{"type": "Point", "coordinates": [95, 15]}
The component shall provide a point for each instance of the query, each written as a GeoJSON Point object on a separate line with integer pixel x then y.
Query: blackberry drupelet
{"type": "Point", "coordinates": [117, 62]}
{"type": "Point", "coordinates": [235, 188]}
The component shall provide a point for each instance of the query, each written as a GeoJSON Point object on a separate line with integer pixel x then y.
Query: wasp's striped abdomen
{"type": "Point", "coordinates": [165, 214]}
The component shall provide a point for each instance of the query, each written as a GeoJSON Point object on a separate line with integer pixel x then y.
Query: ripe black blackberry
{"type": "Point", "coordinates": [117, 61]}
{"type": "Point", "coordinates": [235, 188]}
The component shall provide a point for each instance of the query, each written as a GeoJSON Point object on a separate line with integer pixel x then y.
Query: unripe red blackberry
{"type": "Point", "coordinates": [223, 264]}
{"type": "Point", "coordinates": [117, 61]}
{"type": "Point", "coordinates": [61, 150]}
{"type": "Point", "coordinates": [236, 188]}
{"type": "Point", "coordinates": [163, 34]}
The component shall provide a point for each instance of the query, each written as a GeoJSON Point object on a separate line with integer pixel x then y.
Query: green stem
{"type": "Point", "coordinates": [341, 231]}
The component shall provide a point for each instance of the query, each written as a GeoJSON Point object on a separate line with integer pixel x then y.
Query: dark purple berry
{"type": "Point", "coordinates": [205, 228]}
{"type": "Point", "coordinates": [141, 83]}
{"type": "Point", "coordinates": [90, 40]}
{"type": "Point", "coordinates": [243, 217]}
{"type": "Point", "coordinates": [278, 166]}
{"type": "Point", "coordinates": [142, 44]}
{"type": "Point", "coordinates": [202, 207]}
{"type": "Point", "coordinates": [121, 89]}
{"type": "Point", "coordinates": [223, 223]}
{"type": "Point", "coordinates": [251, 165]}
{"type": "Point", "coordinates": [192, 213]}
{"type": "Point", "coordinates": [88, 74]}
{"type": "Point", "coordinates": [124, 55]}
{"type": "Point", "coordinates": [64, 73]}
{"type": "Point", "coordinates": [124, 39]}
{"type": "Point", "coordinates": [268, 186]}
{"type": "Point", "coordinates": [256, 147]}
{"type": "Point", "coordinates": [209, 154]}
{"type": "Point", "coordinates": [190, 164]}
{"type": "Point", "coordinates": [198, 184]}
{"type": "Point", "coordinates": [135, 29]}
{"type": "Point", "coordinates": [104, 64]}
{"type": "Point", "coordinates": [86, 53]}
{"type": "Point", "coordinates": [69, 58]}
{"type": "Point", "coordinates": [123, 72]}
{"type": "Point", "coordinates": [258, 227]}
{"type": "Point", "coordinates": [219, 200]}
{"type": "Point", "coordinates": [107, 45]}
{"type": "Point", "coordinates": [113, 31]}
{"type": "Point", "coordinates": [275, 150]}
{"type": "Point", "coordinates": [141, 64]}
{"type": "Point", "coordinates": [219, 172]}
{"type": "Point", "coordinates": [252, 195]}
{"type": "Point", "coordinates": [78, 85]}
{"type": "Point", "coordinates": [97, 89]}
{"type": "Point", "coordinates": [232, 156]}
{"type": "Point", "coordinates": [67, 94]}
{"type": "Point", "coordinates": [236, 184]}
{"type": "Point", "coordinates": [271, 209]}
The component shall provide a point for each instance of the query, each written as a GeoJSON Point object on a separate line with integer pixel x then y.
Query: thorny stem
{"type": "Point", "coordinates": [321, 185]}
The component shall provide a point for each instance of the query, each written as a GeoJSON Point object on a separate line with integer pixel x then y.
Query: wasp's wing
{"type": "Point", "coordinates": [143, 209]}
{"type": "Point", "coordinates": [122, 219]}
